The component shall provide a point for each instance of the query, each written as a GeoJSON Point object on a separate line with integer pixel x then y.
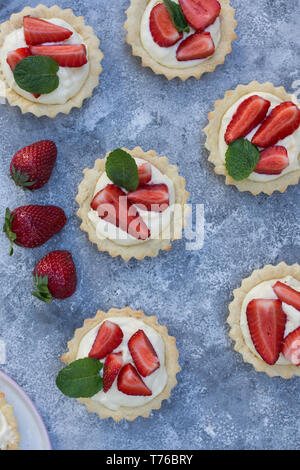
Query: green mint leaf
{"type": "Point", "coordinates": [37, 74]}
{"type": "Point", "coordinates": [241, 159]}
{"type": "Point", "coordinates": [80, 379]}
{"type": "Point", "coordinates": [122, 170]}
{"type": "Point", "coordinates": [177, 16]}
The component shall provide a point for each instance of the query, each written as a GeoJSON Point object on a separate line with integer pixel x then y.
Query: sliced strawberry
{"type": "Point", "coordinates": [200, 13]}
{"type": "Point", "coordinates": [143, 354]}
{"type": "Point", "coordinates": [266, 321]}
{"type": "Point", "coordinates": [287, 294]}
{"type": "Point", "coordinates": [291, 347]}
{"type": "Point", "coordinates": [131, 383]}
{"type": "Point", "coordinates": [112, 366]}
{"type": "Point", "coordinates": [145, 173]}
{"type": "Point", "coordinates": [283, 121]}
{"type": "Point", "coordinates": [273, 161]}
{"type": "Point", "coordinates": [37, 31]}
{"type": "Point", "coordinates": [69, 55]}
{"type": "Point", "coordinates": [14, 57]}
{"type": "Point", "coordinates": [108, 338]}
{"type": "Point", "coordinates": [151, 197]}
{"type": "Point", "coordinates": [247, 116]}
{"type": "Point", "coordinates": [197, 46]}
{"type": "Point", "coordinates": [162, 28]}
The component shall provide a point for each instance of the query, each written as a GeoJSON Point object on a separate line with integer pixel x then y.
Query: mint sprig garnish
{"type": "Point", "coordinates": [122, 170]}
{"type": "Point", "coordinates": [177, 16]}
{"type": "Point", "coordinates": [241, 159]}
{"type": "Point", "coordinates": [37, 74]}
{"type": "Point", "coordinates": [80, 379]}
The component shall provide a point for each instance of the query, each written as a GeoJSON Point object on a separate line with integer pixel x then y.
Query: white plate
{"type": "Point", "coordinates": [34, 435]}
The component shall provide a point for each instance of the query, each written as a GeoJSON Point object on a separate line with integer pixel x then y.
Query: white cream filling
{"type": "Point", "coordinates": [71, 79]}
{"type": "Point", "coordinates": [167, 55]}
{"type": "Point", "coordinates": [113, 399]}
{"type": "Point", "coordinates": [265, 291]}
{"type": "Point", "coordinates": [6, 433]}
{"type": "Point", "coordinates": [291, 143]}
{"type": "Point", "coordinates": [157, 222]}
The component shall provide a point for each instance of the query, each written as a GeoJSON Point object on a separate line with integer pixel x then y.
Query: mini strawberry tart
{"type": "Point", "coordinates": [9, 436]}
{"type": "Point", "coordinates": [50, 60]}
{"type": "Point", "coordinates": [121, 364]}
{"type": "Point", "coordinates": [132, 203]}
{"type": "Point", "coordinates": [181, 38]}
{"type": "Point", "coordinates": [265, 320]}
{"type": "Point", "coordinates": [253, 137]}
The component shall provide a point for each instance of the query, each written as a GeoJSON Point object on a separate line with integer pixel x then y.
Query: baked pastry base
{"type": "Point", "coordinates": [132, 25]}
{"type": "Point", "coordinates": [150, 247]}
{"type": "Point", "coordinates": [8, 412]}
{"type": "Point", "coordinates": [171, 357]}
{"type": "Point", "coordinates": [268, 272]}
{"type": "Point", "coordinates": [212, 142]}
{"type": "Point", "coordinates": [95, 57]}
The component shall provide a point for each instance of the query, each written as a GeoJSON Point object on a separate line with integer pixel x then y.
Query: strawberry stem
{"type": "Point", "coordinates": [21, 179]}
{"type": "Point", "coordinates": [42, 292]}
{"type": "Point", "coordinates": [7, 229]}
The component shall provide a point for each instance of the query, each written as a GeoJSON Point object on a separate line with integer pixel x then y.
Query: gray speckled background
{"type": "Point", "coordinates": [220, 402]}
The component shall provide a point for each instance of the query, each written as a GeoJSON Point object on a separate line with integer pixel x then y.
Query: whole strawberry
{"type": "Point", "coordinates": [55, 276]}
{"type": "Point", "coordinates": [32, 226]}
{"type": "Point", "coordinates": [31, 167]}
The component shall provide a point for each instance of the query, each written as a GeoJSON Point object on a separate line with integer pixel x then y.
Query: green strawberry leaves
{"type": "Point", "coordinates": [37, 74]}
{"type": "Point", "coordinates": [21, 179]}
{"type": "Point", "coordinates": [42, 290]}
{"type": "Point", "coordinates": [81, 378]}
{"type": "Point", "coordinates": [122, 170]}
{"type": "Point", "coordinates": [177, 16]}
{"type": "Point", "coordinates": [241, 159]}
{"type": "Point", "coordinates": [8, 220]}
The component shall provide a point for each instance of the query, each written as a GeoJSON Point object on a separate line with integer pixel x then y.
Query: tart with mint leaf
{"type": "Point", "coordinates": [9, 435]}
{"type": "Point", "coordinates": [253, 137]}
{"type": "Point", "coordinates": [50, 60]}
{"type": "Point", "coordinates": [132, 203]}
{"type": "Point", "coordinates": [121, 364]}
{"type": "Point", "coordinates": [181, 38]}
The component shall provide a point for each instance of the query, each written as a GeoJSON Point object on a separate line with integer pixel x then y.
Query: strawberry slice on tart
{"type": "Point", "coordinates": [151, 197]}
{"type": "Point", "coordinates": [143, 354]}
{"type": "Point", "coordinates": [199, 45]}
{"type": "Point", "coordinates": [273, 161]}
{"type": "Point", "coordinates": [66, 55]}
{"type": "Point", "coordinates": [112, 366]}
{"type": "Point", "coordinates": [162, 28]}
{"type": "Point", "coordinates": [200, 13]}
{"type": "Point", "coordinates": [287, 294]}
{"type": "Point", "coordinates": [291, 347]}
{"type": "Point", "coordinates": [108, 338]}
{"type": "Point", "coordinates": [14, 57]}
{"type": "Point", "coordinates": [145, 173]}
{"type": "Point", "coordinates": [38, 31]}
{"type": "Point", "coordinates": [131, 383]}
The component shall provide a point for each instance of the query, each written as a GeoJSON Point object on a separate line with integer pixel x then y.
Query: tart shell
{"type": "Point", "coordinates": [267, 273]}
{"type": "Point", "coordinates": [9, 415]}
{"type": "Point", "coordinates": [171, 357]}
{"type": "Point", "coordinates": [132, 26]}
{"type": "Point", "coordinates": [95, 57]}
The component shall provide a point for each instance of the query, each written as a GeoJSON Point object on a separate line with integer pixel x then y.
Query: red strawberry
{"type": "Point", "coordinates": [145, 173]}
{"type": "Point", "coordinates": [14, 57]}
{"type": "Point", "coordinates": [197, 46]}
{"type": "Point", "coordinates": [31, 167]}
{"type": "Point", "coordinates": [112, 367]}
{"type": "Point", "coordinates": [283, 121]}
{"type": "Point", "coordinates": [32, 226]}
{"type": "Point", "coordinates": [247, 116]}
{"type": "Point", "coordinates": [287, 294]}
{"type": "Point", "coordinates": [55, 276]}
{"type": "Point", "coordinates": [291, 347]}
{"type": "Point", "coordinates": [273, 161]}
{"type": "Point", "coordinates": [109, 337]}
{"type": "Point", "coordinates": [143, 354]}
{"type": "Point", "coordinates": [37, 31]}
{"type": "Point", "coordinates": [112, 205]}
{"type": "Point", "coordinates": [200, 13]}
{"type": "Point", "coordinates": [131, 383]}
{"type": "Point", "coordinates": [68, 55]}
{"type": "Point", "coordinates": [266, 321]}
{"type": "Point", "coordinates": [151, 197]}
{"type": "Point", "coordinates": [162, 28]}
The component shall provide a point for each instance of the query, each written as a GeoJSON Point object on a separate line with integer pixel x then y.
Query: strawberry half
{"type": "Point", "coordinates": [162, 28]}
{"type": "Point", "coordinates": [131, 383]}
{"type": "Point", "coordinates": [37, 31]}
{"type": "Point", "coordinates": [283, 121]}
{"type": "Point", "coordinates": [14, 57]}
{"type": "Point", "coordinates": [248, 115]}
{"type": "Point", "coordinates": [273, 161]}
{"type": "Point", "coordinates": [143, 354]}
{"type": "Point", "coordinates": [287, 294]}
{"type": "Point", "coordinates": [291, 347]}
{"type": "Point", "coordinates": [69, 55]}
{"type": "Point", "coordinates": [151, 197]}
{"type": "Point", "coordinates": [145, 173]}
{"type": "Point", "coordinates": [197, 46]}
{"type": "Point", "coordinates": [112, 367]}
{"type": "Point", "coordinates": [108, 338]}
{"type": "Point", "coordinates": [266, 321]}
{"type": "Point", "coordinates": [200, 13]}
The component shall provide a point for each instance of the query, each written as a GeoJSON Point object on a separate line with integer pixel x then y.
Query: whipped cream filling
{"type": "Point", "coordinates": [6, 433]}
{"type": "Point", "coordinates": [291, 143]}
{"type": "Point", "coordinates": [157, 222]}
{"type": "Point", "coordinates": [71, 79]}
{"type": "Point", "coordinates": [113, 399]}
{"type": "Point", "coordinates": [167, 55]}
{"type": "Point", "coordinates": [264, 291]}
